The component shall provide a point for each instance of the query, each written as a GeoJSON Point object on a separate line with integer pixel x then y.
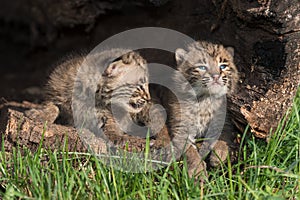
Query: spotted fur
{"type": "Point", "coordinates": [209, 68]}
{"type": "Point", "coordinates": [206, 74]}
{"type": "Point", "coordinates": [124, 83]}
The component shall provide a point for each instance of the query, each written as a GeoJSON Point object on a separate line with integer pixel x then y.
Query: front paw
{"type": "Point", "coordinates": [196, 165]}
{"type": "Point", "coordinates": [220, 151]}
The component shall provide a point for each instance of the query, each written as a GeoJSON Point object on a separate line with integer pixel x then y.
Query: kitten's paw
{"type": "Point", "coordinates": [196, 165]}
{"type": "Point", "coordinates": [219, 153]}
{"type": "Point", "coordinates": [197, 169]}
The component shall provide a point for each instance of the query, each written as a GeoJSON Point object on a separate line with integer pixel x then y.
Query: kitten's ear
{"type": "Point", "coordinates": [113, 69]}
{"type": "Point", "coordinates": [230, 51]}
{"type": "Point", "coordinates": [180, 55]}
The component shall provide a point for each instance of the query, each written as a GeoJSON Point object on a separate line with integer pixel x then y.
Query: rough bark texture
{"type": "Point", "coordinates": [18, 129]}
{"type": "Point", "coordinates": [276, 62]}
{"type": "Point", "coordinates": [31, 125]}
{"type": "Point", "coordinates": [265, 35]}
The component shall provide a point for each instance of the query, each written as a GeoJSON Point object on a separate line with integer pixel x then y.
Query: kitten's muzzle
{"type": "Point", "coordinates": [216, 77]}
{"type": "Point", "coordinates": [138, 104]}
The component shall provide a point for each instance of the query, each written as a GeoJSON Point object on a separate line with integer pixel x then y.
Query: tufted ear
{"type": "Point", "coordinates": [180, 55]}
{"type": "Point", "coordinates": [230, 51]}
{"type": "Point", "coordinates": [113, 69]}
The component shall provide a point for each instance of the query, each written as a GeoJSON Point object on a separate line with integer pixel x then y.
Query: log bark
{"type": "Point", "coordinates": [263, 104]}
{"type": "Point", "coordinates": [31, 125]}
{"type": "Point", "coordinates": [22, 125]}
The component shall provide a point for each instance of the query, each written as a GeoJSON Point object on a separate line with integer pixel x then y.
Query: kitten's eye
{"type": "Point", "coordinates": [201, 67]}
{"type": "Point", "coordinates": [223, 67]}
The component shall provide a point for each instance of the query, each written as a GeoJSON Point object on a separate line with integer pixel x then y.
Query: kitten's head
{"type": "Point", "coordinates": [208, 67]}
{"type": "Point", "coordinates": [126, 83]}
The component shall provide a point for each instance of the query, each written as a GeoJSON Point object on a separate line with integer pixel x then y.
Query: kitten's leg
{"type": "Point", "coordinates": [219, 153]}
{"type": "Point", "coordinates": [224, 146]}
{"type": "Point", "coordinates": [110, 127]}
{"type": "Point", "coordinates": [195, 163]}
{"type": "Point", "coordinates": [154, 117]}
{"type": "Point", "coordinates": [182, 146]}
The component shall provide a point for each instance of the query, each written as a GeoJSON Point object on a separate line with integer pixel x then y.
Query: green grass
{"type": "Point", "coordinates": [264, 171]}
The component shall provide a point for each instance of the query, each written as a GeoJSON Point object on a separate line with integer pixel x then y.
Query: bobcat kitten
{"type": "Point", "coordinates": [79, 83]}
{"type": "Point", "coordinates": [206, 73]}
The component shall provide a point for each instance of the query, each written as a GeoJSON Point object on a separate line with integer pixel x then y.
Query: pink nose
{"type": "Point", "coordinates": [216, 77]}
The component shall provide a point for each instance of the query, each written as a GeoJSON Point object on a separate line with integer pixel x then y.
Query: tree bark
{"type": "Point", "coordinates": [264, 104]}
{"type": "Point", "coordinates": [19, 129]}
{"type": "Point", "coordinates": [31, 125]}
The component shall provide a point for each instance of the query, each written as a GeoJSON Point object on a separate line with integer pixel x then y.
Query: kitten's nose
{"type": "Point", "coordinates": [216, 77]}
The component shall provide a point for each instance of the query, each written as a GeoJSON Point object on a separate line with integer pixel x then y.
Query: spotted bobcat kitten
{"type": "Point", "coordinates": [86, 94]}
{"type": "Point", "coordinates": [206, 74]}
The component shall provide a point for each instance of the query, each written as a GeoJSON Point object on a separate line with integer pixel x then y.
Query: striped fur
{"type": "Point", "coordinates": [206, 74]}
{"type": "Point", "coordinates": [209, 68]}
{"type": "Point", "coordinates": [124, 83]}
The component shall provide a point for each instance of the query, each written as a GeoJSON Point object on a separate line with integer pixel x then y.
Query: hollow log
{"type": "Point", "coordinates": [264, 33]}
{"type": "Point", "coordinates": [277, 75]}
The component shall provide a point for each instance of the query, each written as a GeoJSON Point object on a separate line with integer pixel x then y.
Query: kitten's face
{"type": "Point", "coordinates": [126, 82]}
{"type": "Point", "coordinates": [209, 68]}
